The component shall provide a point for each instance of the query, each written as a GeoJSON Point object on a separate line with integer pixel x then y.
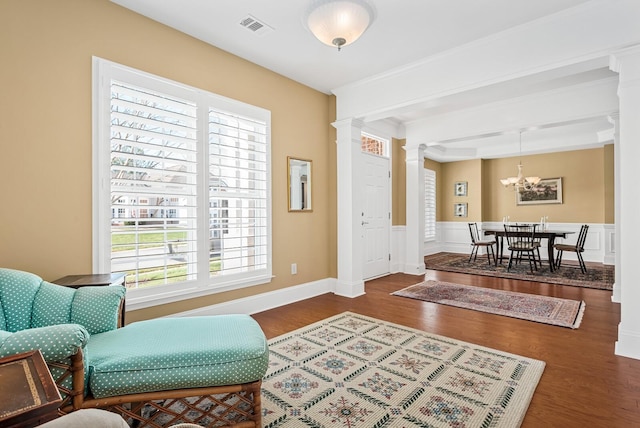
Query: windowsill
{"type": "Point", "coordinates": [162, 295]}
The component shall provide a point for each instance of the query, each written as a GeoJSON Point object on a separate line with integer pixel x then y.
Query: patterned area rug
{"type": "Point", "coordinates": [530, 307]}
{"type": "Point", "coordinates": [352, 371]}
{"type": "Point", "coordinates": [601, 276]}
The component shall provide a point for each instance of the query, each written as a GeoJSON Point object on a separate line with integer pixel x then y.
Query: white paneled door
{"type": "Point", "coordinates": [376, 217]}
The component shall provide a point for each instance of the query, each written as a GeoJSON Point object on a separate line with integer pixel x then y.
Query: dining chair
{"type": "Point", "coordinates": [521, 241]}
{"type": "Point", "coordinates": [477, 243]}
{"type": "Point", "coordinates": [577, 248]}
{"type": "Point", "coordinates": [537, 242]}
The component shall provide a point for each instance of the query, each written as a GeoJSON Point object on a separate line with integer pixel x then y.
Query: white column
{"type": "Point", "coordinates": [627, 64]}
{"type": "Point", "coordinates": [615, 120]}
{"type": "Point", "coordinates": [414, 264]}
{"type": "Point", "coordinates": [350, 238]}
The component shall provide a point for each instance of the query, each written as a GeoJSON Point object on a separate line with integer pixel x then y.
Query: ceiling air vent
{"type": "Point", "coordinates": [256, 26]}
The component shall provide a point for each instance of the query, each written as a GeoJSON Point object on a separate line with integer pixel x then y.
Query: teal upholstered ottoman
{"type": "Point", "coordinates": [206, 370]}
{"type": "Point", "coordinates": [176, 353]}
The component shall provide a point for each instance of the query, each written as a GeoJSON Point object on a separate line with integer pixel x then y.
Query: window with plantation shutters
{"type": "Point", "coordinates": [237, 193]}
{"type": "Point", "coordinates": [181, 187]}
{"type": "Point", "coordinates": [429, 205]}
{"type": "Point", "coordinates": [153, 186]}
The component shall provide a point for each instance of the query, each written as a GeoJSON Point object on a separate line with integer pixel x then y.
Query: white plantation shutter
{"type": "Point", "coordinates": [153, 185]}
{"type": "Point", "coordinates": [237, 192]}
{"type": "Point", "coordinates": [181, 187]}
{"type": "Point", "coordinates": [429, 205]}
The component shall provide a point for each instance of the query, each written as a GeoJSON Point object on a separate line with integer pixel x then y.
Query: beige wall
{"type": "Point", "coordinates": [47, 49]}
{"type": "Point", "coordinates": [399, 180]}
{"type": "Point", "coordinates": [609, 185]}
{"type": "Point", "coordinates": [588, 185]}
{"type": "Point", "coordinates": [399, 183]}
{"type": "Point", "coordinates": [583, 183]}
{"type": "Point", "coordinates": [464, 171]}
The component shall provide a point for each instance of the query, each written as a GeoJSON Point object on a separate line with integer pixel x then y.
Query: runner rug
{"type": "Point", "coordinates": [531, 307]}
{"type": "Point", "coordinates": [352, 371]}
{"type": "Point", "coordinates": [597, 276]}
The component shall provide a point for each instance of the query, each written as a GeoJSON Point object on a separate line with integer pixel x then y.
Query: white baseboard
{"type": "Point", "coordinates": [265, 301]}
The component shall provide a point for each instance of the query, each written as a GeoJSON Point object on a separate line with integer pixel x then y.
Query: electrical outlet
{"type": "Point", "coordinates": [294, 268]}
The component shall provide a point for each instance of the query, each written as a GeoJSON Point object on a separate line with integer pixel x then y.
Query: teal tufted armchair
{"type": "Point", "coordinates": [155, 373]}
{"type": "Point", "coordinates": [35, 314]}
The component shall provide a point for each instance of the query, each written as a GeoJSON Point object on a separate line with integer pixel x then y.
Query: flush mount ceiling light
{"type": "Point", "coordinates": [339, 22]}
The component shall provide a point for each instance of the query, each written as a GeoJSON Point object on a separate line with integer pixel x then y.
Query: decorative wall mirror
{"type": "Point", "coordinates": [299, 181]}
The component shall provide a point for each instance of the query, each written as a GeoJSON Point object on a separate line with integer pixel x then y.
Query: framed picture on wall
{"type": "Point", "coordinates": [460, 210]}
{"type": "Point", "coordinates": [547, 191]}
{"type": "Point", "coordinates": [460, 188]}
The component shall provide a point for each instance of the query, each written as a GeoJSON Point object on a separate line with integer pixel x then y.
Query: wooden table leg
{"type": "Point", "coordinates": [551, 240]}
{"type": "Point", "coordinates": [500, 248]}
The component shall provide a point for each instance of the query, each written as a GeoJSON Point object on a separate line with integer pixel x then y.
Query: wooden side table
{"type": "Point", "coordinates": [101, 279]}
{"type": "Point", "coordinates": [29, 395]}
{"type": "Point", "coordinates": [77, 281]}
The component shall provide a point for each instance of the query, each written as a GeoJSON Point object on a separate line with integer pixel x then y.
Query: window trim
{"type": "Point", "coordinates": [103, 71]}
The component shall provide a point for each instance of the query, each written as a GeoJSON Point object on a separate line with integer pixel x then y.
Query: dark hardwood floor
{"type": "Point", "coordinates": [584, 384]}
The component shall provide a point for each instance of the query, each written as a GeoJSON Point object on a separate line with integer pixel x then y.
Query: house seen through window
{"type": "Point", "coordinates": [374, 145]}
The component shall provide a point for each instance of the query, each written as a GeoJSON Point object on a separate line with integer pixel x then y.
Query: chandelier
{"type": "Point", "coordinates": [520, 182]}
{"type": "Point", "coordinates": [339, 22]}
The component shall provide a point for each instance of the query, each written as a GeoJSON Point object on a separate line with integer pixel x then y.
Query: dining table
{"type": "Point", "coordinates": [548, 234]}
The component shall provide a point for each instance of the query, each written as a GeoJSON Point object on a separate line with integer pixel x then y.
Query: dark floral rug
{"type": "Point", "coordinates": [598, 276]}
{"type": "Point", "coordinates": [530, 307]}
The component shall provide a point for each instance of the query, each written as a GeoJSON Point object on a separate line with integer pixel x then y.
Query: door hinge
{"type": "Point", "coordinates": [389, 257]}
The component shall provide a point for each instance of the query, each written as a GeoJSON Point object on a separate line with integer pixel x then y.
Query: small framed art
{"type": "Point", "coordinates": [460, 188]}
{"type": "Point", "coordinates": [460, 210]}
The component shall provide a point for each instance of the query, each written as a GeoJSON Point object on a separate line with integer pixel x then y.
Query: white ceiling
{"type": "Point", "coordinates": [403, 32]}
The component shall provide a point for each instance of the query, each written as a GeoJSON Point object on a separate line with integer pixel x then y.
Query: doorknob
{"type": "Point", "coordinates": [365, 222]}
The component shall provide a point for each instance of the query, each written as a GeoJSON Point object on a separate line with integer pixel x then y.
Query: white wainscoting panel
{"type": "Point", "coordinates": [609, 244]}
{"type": "Point", "coordinates": [454, 237]}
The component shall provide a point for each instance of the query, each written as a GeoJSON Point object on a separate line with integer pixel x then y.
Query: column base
{"type": "Point", "coordinates": [349, 289]}
{"type": "Point", "coordinates": [414, 269]}
{"type": "Point", "coordinates": [628, 344]}
{"type": "Point", "coordinates": [616, 297]}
